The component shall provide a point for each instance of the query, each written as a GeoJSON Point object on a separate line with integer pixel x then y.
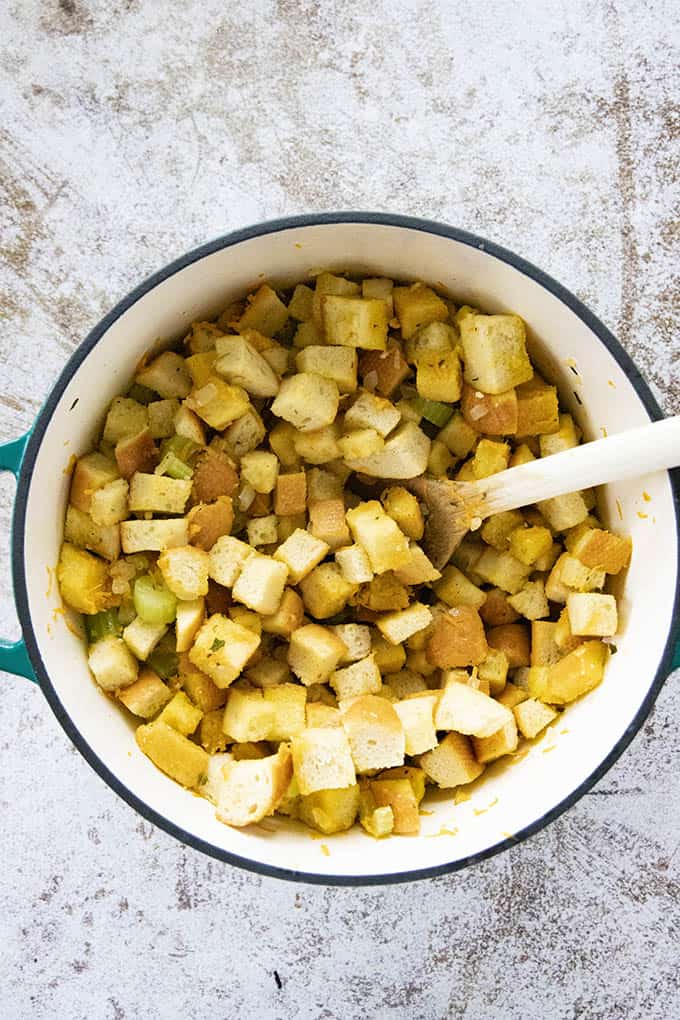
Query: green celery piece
{"type": "Point", "coordinates": [154, 602]}
{"type": "Point", "coordinates": [101, 625]}
{"type": "Point", "coordinates": [433, 411]}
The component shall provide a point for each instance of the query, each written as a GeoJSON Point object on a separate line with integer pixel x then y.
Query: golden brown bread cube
{"type": "Point", "coordinates": [291, 494]}
{"type": "Point", "coordinates": [576, 674]}
{"type": "Point", "coordinates": [173, 753]}
{"type": "Point", "coordinates": [91, 472]}
{"type": "Point", "coordinates": [457, 639]}
{"type": "Point", "coordinates": [137, 452]}
{"type": "Point", "coordinates": [503, 741]}
{"type": "Point", "coordinates": [383, 371]}
{"type": "Point", "coordinates": [452, 762]}
{"type": "Point", "coordinates": [146, 696]}
{"type": "Point", "coordinates": [513, 640]}
{"type": "Point", "coordinates": [490, 414]}
{"type": "Point", "coordinates": [209, 521]}
{"type": "Point", "coordinates": [398, 794]}
{"type": "Point", "coordinates": [537, 408]}
{"type": "Point", "coordinates": [214, 476]}
{"type": "Point", "coordinates": [417, 306]}
{"type": "Point", "coordinates": [84, 580]}
{"type": "Point", "coordinates": [603, 550]}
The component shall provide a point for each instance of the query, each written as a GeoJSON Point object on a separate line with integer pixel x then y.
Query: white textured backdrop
{"type": "Point", "coordinates": [131, 131]}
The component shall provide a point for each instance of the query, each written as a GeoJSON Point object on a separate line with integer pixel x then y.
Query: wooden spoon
{"type": "Point", "coordinates": [454, 508]}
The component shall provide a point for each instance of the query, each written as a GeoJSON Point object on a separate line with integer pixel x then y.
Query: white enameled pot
{"type": "Point", "coordinates": [598, 383]}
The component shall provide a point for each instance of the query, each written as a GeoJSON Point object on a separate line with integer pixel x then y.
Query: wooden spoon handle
{"type": "Point", "coordinates": [626, 455]}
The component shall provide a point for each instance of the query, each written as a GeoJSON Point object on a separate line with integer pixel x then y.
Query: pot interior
{"type": "Point", "coordinates": [593, 386]}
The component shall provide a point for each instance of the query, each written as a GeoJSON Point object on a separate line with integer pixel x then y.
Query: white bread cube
{"type": "Point", "coordinates": [336, 363]}
{"type": "Point", "coordinates": [313, 653]}
{"type": "Point", "coordinates": [287, 618]}
{"type": "Point", "coordinates": [260, 584]}
{"type": "Point", "coordinates": [323, 716]}
{"type": "Point", "coordinates": [592, 615]}
{"type": "Point", "coordinates": [158, 494]}
{"type": "Point", "coordinates": [248, 717]}
{"type": "Point", "coordinates": [356, 637]}
{"type": "Point", "coordinates": [465, 710]}
{"type": "Point", "coordinates": [322, 485]}
{"type": "Point", "coordinates": [562, 512]}
{"type": "Point", "coordinates": [362, 677]}
{"type": "Point", "coordinates": [185, 571]}
{"type": "Point", "coordinates": [141, 638]}
{"type": "Point", "coordinates": [109, 504]}
{"type": "Point", "coordinates": [400, 625]}
{"type": "Point", "coordinates": [260, 469]}
{"type": "Point", "coordinates": [245, 433]}
{"type": "Point", "coordinates": [319, 446]}
{"type": "Point", "coordinates": [214, 776]}
{"type": "Point", "coordinates": [227, 557]}
{"type": "Point", "coordinates": [322, 760]}
{"type": "Point", "coordinates": [301, 552]}
{"type": "Point", "coordinates": [575, 575]}
{"type": "Point", "coordinates": [354, 322]}
{"type": "Point", "coordinates": [405, 455]}
{"type": "Point", "coordinates": [417, 719]}
{"type": "Point", "coordinates": [263, 530]}
{"type": "Point", "coordinates": [268, 673]}
{"type": "Point", "coordinates": [354, 563]}
{"type": "Point", "coordinates": [567, 436]}
{"type": "Point", "coordinates": [81, 530]}
{"type": "Point", "coordinates": [531, 601]}
{"type": "Point", "coordinates": [375, 734]}
{"type": "Point", "coordinates": [251, 790]}
{"type": "Point", "coordinates": [153, 536]}
{"type": "Point", "coordinates": [167, 375]}
{"type": "Point", "coordinates": [240, 363]}
{"type": "Point", "coordinates": [372, 412]}
{"type": "Point", "coordinates": [190, 616]}
{"type": "Point", "coordinates": [419, 570]}
{"type": "Point", "coordinates": [288, 702]}
{"type": "Point", "coordinates": [162, 417]}
{"type": "Point", "coordinates": [222, 648]}
{"type": "Point", "coordinates": [307, 401]}
{"type": "Point", "coordinates": [532, 716]}
{"type": "Point", "coordinates": [494, 352]}
{"type": "Point", "coordinates": [406, 682]}
{"type": "Point", "coordinates": [384, 542]}
{"type": "Point", "coordinates": [452, 762]}
{"type": "Point", "coordinates": [503, 741]}
{"type": "Point", "coordinates": [502, 570]}
{"type": "Point", "coordinates": [112, 664]}
{"type": "Point", "coordinates": [125, 417]}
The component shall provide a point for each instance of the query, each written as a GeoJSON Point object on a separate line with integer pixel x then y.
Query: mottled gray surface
{"type": "Point", "coordinates": [130, 131]}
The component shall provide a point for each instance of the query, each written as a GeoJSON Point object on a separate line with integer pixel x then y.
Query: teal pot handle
{"type": "Point", "coordinates": [13, 655]}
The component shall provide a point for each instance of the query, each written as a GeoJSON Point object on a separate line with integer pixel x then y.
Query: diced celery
{"type": "Point", "coordinates": [101, 625]}
{"type": "Point", "coordinates": [153, 601]}
{"type": "Point", "coordinates": [164, 659]}
{"type": "Point", "coordinates": [181, 446]}
{"type": "Point", "coordinates": [173, 467]}
{"type": "Point", "coordinates": [433, 410]}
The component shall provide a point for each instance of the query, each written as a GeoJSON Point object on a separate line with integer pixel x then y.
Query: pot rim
{"type": "Point", "coordinates": [42, 422]}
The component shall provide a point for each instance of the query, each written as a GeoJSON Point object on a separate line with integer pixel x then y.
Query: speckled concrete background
{"type": "Point", "coordinates": [129, 132]}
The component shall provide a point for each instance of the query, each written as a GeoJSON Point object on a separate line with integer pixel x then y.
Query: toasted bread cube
{"type": "Point", "coordinates": [403, 507]}
{"type": "Point", "coordinates": [141, 638]}
{"type": "Point", "coordinates": [490, 414]}
{"type": "Point", "coordinates": [200, 688]}
{"type": "Point", "coordinates": [162, 417]}
{"type": "Point", "coordinates": [210, 732]}
{"type": "Point", "coordinates": [260, 469]}
{"type": "Point", "coordinates": [417, 306]}
{"type": "Point", "coordinates": [354, 322]}
{"type": "Point", "coordinates": [532, 716]}
{"type": "Point", "coordinates": [167, 375]}
{"type": "Point", "coordinates": [218, 403]}
{"type": "Point", "coordinates": [173, 753]}
{"type": "Point", "coordinates": [512, 695]}
{"type": "Point", "coordinates": [253, 789]}
{"type": "Point", "coordinates": [222, 648]}
{"type": "Point", "coordinates": [576, 674]}
{"type": "Point", "coordinates": [308, 334]}
{"type": "Point", "coordinates": [592, 615]}
{"type": "Point", "coordinates": [243, 365]}
{"type": "Point", "coordinates": [251, 621]}
{"type": "Point", "coordinates": [383, 371]}
{"type": "Point", "coordinates": [562, 512]}
{"type": "Point", "coordinates": [147, 695]}
{"type": "Point", "coordinates": [602, 550]}
{"type": "Point", "coordinates": [109, 503]}
{"type": "Point", "coordinates": [327, 522]}
{"type": "Point", "coordinates": [260, 583]}
{"type": "Point", "coordinates": [530, 601]}
{"type": "Point", "coordinates": [291, 494]}
{"type": "Point", "coordinates": [264, 312]}
{"type": "Point", "coordinates": [494, 352]}
{"type": "Point", "coordinates": [382, 594]}
{"type": "Point", "coordinates": [137, 452]}
{"type": "Point", "coordinates": [371, 412]}
{"type": "Point", "coordinates": [405, 455]}
{"type": "Point", "coordinates": [435, 338]}
{"type": "Point", "coordinates": [419, 663]}
{"type": "Point", "coordinates": [322, 760]}
{"type": "Point", "coordinates": [208, 522]}
{"type": "Point", "coordinates": [354, 564]}
{"type": "Point", "coordinates": [325, 592]}
{"type": "Point", "coordinates": [301, 552]}
{"type": "Point", "coordinates": [504, 741]}
{"type": "Point", "coordinates": [210, 789]}
{"type": "Point", "coordinates": [181, 714]}
{"type": "Point", "coordinates": [190, 616]}
{"type": "Point", "coordinates": [457, 639]}
{"type": "Point", "coordinates": [375, 733]}
{"type": "Point", "coordinates": [377, 821]}
{"type": "Point", "coordinates": [458, 436]}
{"type": "Point", "coordinates": [307, 400]}
{"type": "Point", "coordinates": [398, 626]}
{"type": "Point", "coordinates": [336, 363]}
{"type": "Point", "coordinates": [356, 638]}
{"type": "Point", "coordinates": [248, 716]}
{"type": "Point", "coordinates": [521, 455]}
{"type": "Point", "coordinates": [419, 571]}
{"type": "Point", "coordinates": [288, 617]}
{"type": "Point", "coordinates": [555, 588]}
{"type": "Point", "coordinates": [227, 558]}
{"type": "Point", "coordinates": [245, 433]}
{"type": "Point", "coordinates": [263, 530]}
{"type": "Point", "coordinates": [544, 648]}
{"type": "Point", "coordinates": [412, 774]}
{"type": "Point", "coordinates": [490, 458]}
{"type": "Point", "coordinates": [111, 663]}
{"type": "Point", "coordinates": [417, 719]}
{"type": "Point", "coordinates": [565, 437]}
{"type": "Point", "coordinates": [390, 658]}
{"type": "Point", "coordinates": [361, 677]}
{"type": "Point", "coordinates": [320, 716]}
{"type": "Point", "coordinates": [320, 446]}
{"type": "Point", "coordinates": [250, 750]}
{"type": "Point", "coordinates": [214, 476]}
{"type": "Point", "coordinates": [513, 640]}
{"type": "Point", "coordinates": [300, 305]}
{"type": "Point", "coordinates": [502, 570]}
{"type": "Point", "coordinates": [92, 472]}
{"type": "Point", "coordinates": [494, 670]}
{"type": "Point", "coordinates": [185, 571]}
{"type": "Point", "coordinates": [466, 710]}
{"type": "Point", "coordinates": [156, 536]}
{"type": "Point", "coordinates": [537, 408]}
{"type": "Point", "coordinates": [386, 545]}
{"type": "Point", "coordinates": [268, 673]}
{"type": "Point", "coordinates": [202, 337]}
{"type": "Point", "coordinates": [200, 367]}
{"type": "Point", "coordinates": [379, 288]}
{"type": "Point", "coordinates": [314, 652]}
{"type": "Point", "coordinates": [439, 460]}
{"type": "Point", "coordinates": [81, 530]}
{"type": "Point", "coordinates": [330, 811]}
{"type": "Point", "coordinates": [406, 682]}
{"type": "Point", "coordinates": [158, 494]}
{"type": "Point", "coordinates": [439, 376]}
{"type": "Point", "coordinates": [496, 609]}
{"type": "Point", "coordinates": [452, 762]}
{"type": "Point", "coordinates": [288, 702]}
{"type": "Point", "coordinates": [455, 589]}
{"type": "Point", "coordinates": [528, 544]}
{"type": "Point", "coordinates": [398, 796]}
{"type": "Point", "coordinates": [361, 443]}
{"type": "Point", "coordinates": [125, 418]}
